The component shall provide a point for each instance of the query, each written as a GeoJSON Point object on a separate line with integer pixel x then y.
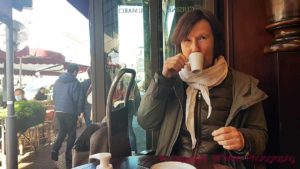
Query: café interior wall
{"type": "Point", "coordinates": [248, 38]}
{"type": "Point", "coordinates": [245, 23]}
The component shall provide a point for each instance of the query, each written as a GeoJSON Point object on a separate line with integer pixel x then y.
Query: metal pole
{"type": "Point", "coordinates": [11, 132]}
{"type": "Point", "coordinates": [20, 73]}
{"type": "Point", "coordinates": [3, 138]}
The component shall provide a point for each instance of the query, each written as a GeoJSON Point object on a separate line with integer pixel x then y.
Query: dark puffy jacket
{"type": "Point", "coordinates": [246, 114]}
{"type": "Point", "coordinates": [66, 94]}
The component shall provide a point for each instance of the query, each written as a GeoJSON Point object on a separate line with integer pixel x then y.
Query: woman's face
{"type": "Point", "coordinates": [200, 39]}
{"type": "Point", "coordinates": [42, 90]}
{"type": "Point", "coordinates": [19, 95]}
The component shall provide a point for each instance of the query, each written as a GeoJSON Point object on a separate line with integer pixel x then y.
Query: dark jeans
{"type": "Point", "coordinates": [66, 126]}
{"type": "Point", "coordinates": [87, 116]}
{"type": "Point", "coordinates": [132, 137]}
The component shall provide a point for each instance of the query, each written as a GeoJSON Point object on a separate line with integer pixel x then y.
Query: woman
{"type": "Point", "coordinates": [41, 94]}
{"type": "Point", "coordinates": [19, 94]}
{"type": "Point", "coordinates": [214, 111]}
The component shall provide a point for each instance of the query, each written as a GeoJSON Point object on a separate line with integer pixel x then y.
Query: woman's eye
{"type": "Point", "coordinates": [186, 40]}
{"type": "Point", "coordinates": [202, 38]}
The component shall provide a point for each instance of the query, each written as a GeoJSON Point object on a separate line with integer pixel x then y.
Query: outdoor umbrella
{"type": "Point", "coordinates": [23, 52]}
{"type": "Point", "coordinates": [45, 62]}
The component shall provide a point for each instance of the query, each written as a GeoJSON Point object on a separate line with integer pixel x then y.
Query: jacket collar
{"type": "Point", "coordinates": [245, 93]}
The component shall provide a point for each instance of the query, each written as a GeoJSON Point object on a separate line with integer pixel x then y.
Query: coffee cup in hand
{"type": "Point", "coordinates": [196, 60]}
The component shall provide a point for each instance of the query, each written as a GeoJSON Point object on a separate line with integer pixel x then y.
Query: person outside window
{"type": "Point", "coordinates": [85, 85]}
{"type": "Point", "coordinates": [40, 95]}
{"type": "Point", "coordinates": [19, 94]}
{"type": "Point", "coordinates": [66, 95]}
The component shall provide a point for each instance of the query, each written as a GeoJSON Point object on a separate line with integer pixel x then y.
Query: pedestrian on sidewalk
{"type": "Point", "coordinates": [86, 107]}
{"type": "Point", "coordinates": [66, 95]}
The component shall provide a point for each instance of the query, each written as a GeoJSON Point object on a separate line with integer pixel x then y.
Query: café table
{"type": "Point", "coordinates": [145, 162]}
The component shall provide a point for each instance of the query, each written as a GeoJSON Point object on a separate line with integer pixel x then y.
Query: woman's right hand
{"type": "Point", "coordinates": [173, 65]}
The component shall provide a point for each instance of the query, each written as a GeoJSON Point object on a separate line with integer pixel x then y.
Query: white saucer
{"type": "Point", "coordinates": [172, 165]}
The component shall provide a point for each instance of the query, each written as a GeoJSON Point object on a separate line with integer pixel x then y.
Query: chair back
{"type": "Point", "coordinates": [117, 117]}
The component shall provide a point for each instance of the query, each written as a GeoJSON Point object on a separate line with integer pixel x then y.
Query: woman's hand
{"type": "Point", "coordinates": [173, 65]}
{"type": "Point", "coordinates": [230, 138]}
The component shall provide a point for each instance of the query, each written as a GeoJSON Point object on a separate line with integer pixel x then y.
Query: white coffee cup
{"type": "Point", "coordinates": [196, 61]}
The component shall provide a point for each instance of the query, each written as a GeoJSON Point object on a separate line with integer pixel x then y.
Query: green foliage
{"type": "Point", "coordinates": [3, 113]}
{"type": "Point", "coordinates": [24, 109]}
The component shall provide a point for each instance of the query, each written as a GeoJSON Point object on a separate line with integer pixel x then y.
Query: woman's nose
{"type": "Point", "coordinates": [195, 46]}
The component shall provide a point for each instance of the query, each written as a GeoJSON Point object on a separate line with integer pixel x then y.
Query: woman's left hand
{"type": "Point", "coordinates": [229, 137]}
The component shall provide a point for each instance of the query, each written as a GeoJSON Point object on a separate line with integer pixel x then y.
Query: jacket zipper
{"type": "Point", "coordinates": [178, 130]}
{"type": "Point", "coordinates": [198, 122]}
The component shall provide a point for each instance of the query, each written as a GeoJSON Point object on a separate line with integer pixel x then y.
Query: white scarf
{"type": "Point", "coordinates": [203, 81]}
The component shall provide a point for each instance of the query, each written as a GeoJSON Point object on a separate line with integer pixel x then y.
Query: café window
{"type": "Point", "coordinates": [124, 48]}
{"type": "Point", "coordinates": [128, 42]}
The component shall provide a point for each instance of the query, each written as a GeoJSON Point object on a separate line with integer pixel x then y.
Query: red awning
{"type": "Point", "coordinates": [40, 56]}
{"type": "Point", "coordinates": [45, 62]}
{"type": "Point", "coordinates": [23, 52]}
{"type": "Point", "coordinates": [35, 56]}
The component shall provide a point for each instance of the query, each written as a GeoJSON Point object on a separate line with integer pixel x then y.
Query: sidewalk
{"type": "Point", "coordinates": [41, 158]}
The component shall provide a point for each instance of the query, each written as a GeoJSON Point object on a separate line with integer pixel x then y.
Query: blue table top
{"type": "Point", "coordinates": [86, 166]}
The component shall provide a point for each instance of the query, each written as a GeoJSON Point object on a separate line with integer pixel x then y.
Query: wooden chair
{"type": "Point", "coordinates": [112, 135]}
{"type": "Point", "coordinates": [49, 125]}
{"type": "Point", "coordinates": [117, 119]}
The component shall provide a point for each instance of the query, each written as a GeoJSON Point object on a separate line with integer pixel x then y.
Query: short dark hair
{"type": "Point", "coordinates": [42, 88]}
{"type": "Point", "coordinates": [72, 68]}
{"type": "Point", "coordinates": [21, 90]}
{"type": "Point", "coordinates": [189, 19]}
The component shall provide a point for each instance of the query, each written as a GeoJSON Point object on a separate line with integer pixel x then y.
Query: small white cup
{"type": "Point", "coordinates": [196, 60]}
